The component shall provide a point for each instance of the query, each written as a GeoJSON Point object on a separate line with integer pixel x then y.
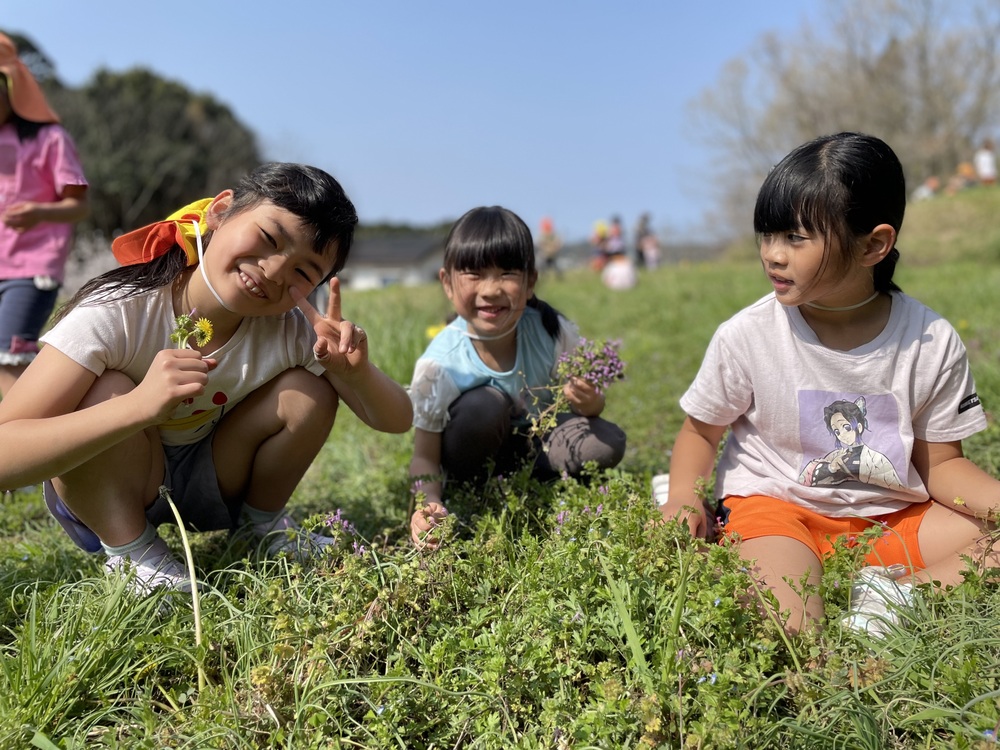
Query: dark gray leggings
{"type": "Point", "coordinates": [480, 433]}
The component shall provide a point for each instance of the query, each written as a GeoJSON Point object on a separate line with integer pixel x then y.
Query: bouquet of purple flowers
{"type": "Point", "coordinates": [593, 361]}
{"type": "Point", "coordinates": [597, 362]}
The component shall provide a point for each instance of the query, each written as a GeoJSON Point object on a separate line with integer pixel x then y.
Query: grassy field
{"type": "Point", "coordinates": [551, 618]}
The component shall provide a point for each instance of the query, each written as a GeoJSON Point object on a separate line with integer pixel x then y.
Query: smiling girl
{"type": "Point", "coordinates": [482, 378]}
{"type": "Point", "coordinates": [109, 412]}
{"type": "Point", "coordinates": [834, 348]}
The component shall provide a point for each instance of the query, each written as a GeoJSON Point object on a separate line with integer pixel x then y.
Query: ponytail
{"type": "Point", "coordinates": [883, 273]}
{"type": "Point", "coordinates": [550, 316]}
{"type": "Point", "coordinates": [128, 281]}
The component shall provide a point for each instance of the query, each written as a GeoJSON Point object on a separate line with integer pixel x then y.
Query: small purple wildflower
{"type": "Point", "coordinates": [337, 522]}
{"type": "Point", "coordinates": [595, 362]}
{"type": "Point", "coordinates": [562, 516]}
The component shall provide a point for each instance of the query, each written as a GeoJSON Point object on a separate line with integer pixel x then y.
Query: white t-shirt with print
{"type": "Point", "coordinates": [125, 334]}
{"type": "Point", "coordinates": [830, 430]}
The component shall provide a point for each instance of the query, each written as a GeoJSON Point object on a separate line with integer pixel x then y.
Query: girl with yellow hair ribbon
{"type": "Point", "coordinates": [199, 372]}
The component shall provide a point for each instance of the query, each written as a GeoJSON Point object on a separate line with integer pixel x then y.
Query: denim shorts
{"type": "Point", "coordinates": [194, 488]}
{"type": "Point", "coordinates": [24, 311]}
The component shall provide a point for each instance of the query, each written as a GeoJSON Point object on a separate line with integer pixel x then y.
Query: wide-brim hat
{"type": "Point", "coordinates": [26, 96]}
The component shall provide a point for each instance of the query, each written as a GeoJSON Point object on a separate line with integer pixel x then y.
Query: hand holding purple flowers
{"type": "Point", "coordinates": [588, 370]}
{"type": "Point", "coordinates": [596, 362]}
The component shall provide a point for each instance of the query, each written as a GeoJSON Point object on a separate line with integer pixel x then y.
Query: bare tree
{"type": "Point", "coordinates": [921, 74]}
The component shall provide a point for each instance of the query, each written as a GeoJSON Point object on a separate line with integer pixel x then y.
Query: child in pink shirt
{"type": "Point", "coordinates": [43, 192]}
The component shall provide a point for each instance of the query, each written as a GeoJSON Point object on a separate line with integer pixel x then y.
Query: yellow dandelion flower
{"type": "Point", "coordinates": [203, 331]}
{"type": "Point", "coordinates": [188, 327]}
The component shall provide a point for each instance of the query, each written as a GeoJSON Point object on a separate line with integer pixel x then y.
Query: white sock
{"type": "Point", "coordinates": [135, 549]}
{"type": "Point", "coordinates": [263, 522]}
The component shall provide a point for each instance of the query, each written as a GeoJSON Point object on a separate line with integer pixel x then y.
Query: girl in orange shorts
{"type": "Point", "coordinates": [847, 400]}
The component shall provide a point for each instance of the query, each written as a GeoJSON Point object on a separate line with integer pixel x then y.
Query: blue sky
{"type": "Point", "coordinates": [575, 110]}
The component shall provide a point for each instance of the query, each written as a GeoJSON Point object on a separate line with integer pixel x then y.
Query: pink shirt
{"type": "Point", "coordinates": [37, 170]}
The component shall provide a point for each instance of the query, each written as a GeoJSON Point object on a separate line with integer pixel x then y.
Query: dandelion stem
{"type": "Point", "coordinates": [195, 596]}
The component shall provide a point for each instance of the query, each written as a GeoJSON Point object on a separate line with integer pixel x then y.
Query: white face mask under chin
{"type": "Point", "coordinates": [497, 337]}
{"type": "Point", "coordinates": [201, 267]}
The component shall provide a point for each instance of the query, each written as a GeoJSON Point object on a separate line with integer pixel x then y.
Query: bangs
{"type": "Point", "coordinates": [490, 238]}
{"type": "Point", "coordinates": [490, 254]}
{"type": "Point", "coordinates": [788, 200]}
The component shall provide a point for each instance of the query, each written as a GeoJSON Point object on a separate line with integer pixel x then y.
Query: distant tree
{"type": "Point", "coordinates": [921, 74]}
{"type": "Point", "coordinates": [150, 145]}
{"type": "Point", "coordinates": [385, 229]}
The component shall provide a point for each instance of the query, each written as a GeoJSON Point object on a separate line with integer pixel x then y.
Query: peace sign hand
{"type": "Point", "coordinates": [341, 346]}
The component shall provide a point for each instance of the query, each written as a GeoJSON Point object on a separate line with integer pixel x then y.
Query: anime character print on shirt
{"type": "Point", "coordinates": [859, 454]}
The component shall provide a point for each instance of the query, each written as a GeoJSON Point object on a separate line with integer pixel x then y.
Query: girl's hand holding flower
{"type": "Point", "coordinates": [583, 396]}
{"type": "Point", "coordinates": [178, 374]}
{"type": "Point", "coordinates": [424, 519]}
{"type": "Point", "coordinates": [173, 376]}
{"type": "Point", "coordinates": [589, 370]}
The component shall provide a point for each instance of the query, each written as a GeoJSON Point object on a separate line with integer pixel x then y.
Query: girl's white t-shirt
{"type": "Point", "coordinates": [830, 430]}
{"type": "Point", "coordinates": [125, 334]}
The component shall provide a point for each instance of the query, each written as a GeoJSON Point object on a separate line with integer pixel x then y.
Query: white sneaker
{"type": "Point", "coordinates": [286, 536]}
{"type": "Point", "coordinates": [661, 488]}
{"type": "Point", "coordinates": [876, 600]}
{"type": "Point", "coordinates": [154, 569]}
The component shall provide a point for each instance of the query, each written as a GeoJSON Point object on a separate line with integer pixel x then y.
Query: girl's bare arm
{"type": "Point", "coordinates": [691, 463]}
{"type": "Point", "coordinates": [42, 435]}
{"type": "Point", "coordinates": [953, 480]}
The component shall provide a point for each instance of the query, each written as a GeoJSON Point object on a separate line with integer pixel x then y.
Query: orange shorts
{"type": "Point", "coordinates": [758, 516]}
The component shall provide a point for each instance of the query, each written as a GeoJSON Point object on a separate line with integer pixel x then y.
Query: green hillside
{"type": "Point", "coordinates": [551, 618]}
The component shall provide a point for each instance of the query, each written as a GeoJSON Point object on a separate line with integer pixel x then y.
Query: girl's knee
{"type": "Point", "coordinates": [482, 414]}
{"type": "Point", "coordinates": [304, 397]}
{"type": "Point", "coordinates": [110, 384]}
{"type": "Point", "coordinates": [578, 441]}
{"type": "Point", "coordinates": [478, 431]}
{"type": "Point", "coordinates": [945, 533]}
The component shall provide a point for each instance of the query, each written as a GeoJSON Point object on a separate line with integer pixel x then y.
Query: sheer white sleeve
{"type": "Point", "coordinates": [432, 392]}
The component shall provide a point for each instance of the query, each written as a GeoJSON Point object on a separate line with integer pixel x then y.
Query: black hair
{"type": "Point", "coordinates": [27, 130]}
{"type": "Point", "coordinates": [307, 192]}
{"type": "Point", "coordinates": [496, 237]}
{"type": "Point", "coordinates": [853, 411]}
{"type": "Point", "coordinates": [841, 186]}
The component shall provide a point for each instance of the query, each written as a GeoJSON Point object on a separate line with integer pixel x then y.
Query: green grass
{"type": "Point", "coordinates": [551, 617]}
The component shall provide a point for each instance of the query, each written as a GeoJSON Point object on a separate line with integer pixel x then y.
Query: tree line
{"type": "Point", "coordinates": [148, 145]}
{"type": "Point", "coordinates": [923, 75]}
